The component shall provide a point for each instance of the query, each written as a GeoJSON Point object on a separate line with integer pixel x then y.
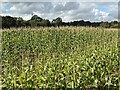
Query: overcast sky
{"type": "Point", "coordinates": [68, 11]}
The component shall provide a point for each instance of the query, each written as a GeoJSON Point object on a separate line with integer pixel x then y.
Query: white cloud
{"type": "Point", "coordinates": [27, 17]}
{"type": "Point", "coordinates": [69, 11]}
{"type": "Point", "coordinates": [100, 15]}
{"type": "Point", "coordinates": [13, 8]}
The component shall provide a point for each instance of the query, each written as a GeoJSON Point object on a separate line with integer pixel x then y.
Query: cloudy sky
{"type": "Point", "coordinates": [68, 11]}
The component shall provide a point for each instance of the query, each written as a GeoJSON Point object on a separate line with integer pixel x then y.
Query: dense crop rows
{"type": "Point", "coordinates": [60, 58]}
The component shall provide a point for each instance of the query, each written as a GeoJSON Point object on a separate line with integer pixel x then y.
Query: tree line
{"type": "Point", "coordinates": [36, 21]}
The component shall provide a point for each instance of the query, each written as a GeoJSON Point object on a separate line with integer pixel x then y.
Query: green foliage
{"type": "Point", "coordinates": [33, 23]}
{"type": "Point", "coordinates": [20, 22]}
{"type": "Point", "coordinates": [8, 21]}
{"type": "Point", "coordinates": [43, 23]}
{"type": "Point", "coordinates": [70, 57]}
{"type": "Point", "coordinates": [36, 18]}
{"type": "Point", "coordinates": [57, 21]}
{"type": "Point", "coordinates": [114, 24]}
{"type": "Point", "coordinates": [105, 24]}
{"type": "Point", "coordinates": [36, 21]}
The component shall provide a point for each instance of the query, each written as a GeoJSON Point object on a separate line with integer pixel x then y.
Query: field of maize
{"type": "Point", "coordinates": [61, 57]}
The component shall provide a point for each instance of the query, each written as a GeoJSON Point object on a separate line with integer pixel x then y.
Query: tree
{"type": "Point", "coordinates": [0, 21]}
{"type": "Point", "coordinates": [36, 18]}
{"type": "Point", "coordinates": [105, 24]}
{"type": "Point", "coordinates": [20, 22]}
{"type": "Point", "coordinates": [8, 22]}
{"type": "Point", "coordinates": [87, 23]}
{"type": "Point", "coordinates": [44, 23]}
{"type": "Point", "coordinates": [57, 21]}
{"type": "Point", "coordinates": [114, 24]}
{"type": "Point", "coordinates": [33, 23]}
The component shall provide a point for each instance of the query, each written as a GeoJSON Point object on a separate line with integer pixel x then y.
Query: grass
{"type": "Point", "coordinates": [64, 57]}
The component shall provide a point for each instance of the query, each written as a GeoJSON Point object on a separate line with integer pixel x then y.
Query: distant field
{"type": "Point", "coordinates": [67, 27]}
{"type": "Point", "coordinates": [65, 57]}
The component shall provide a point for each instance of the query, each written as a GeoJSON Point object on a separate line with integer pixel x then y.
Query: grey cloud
{"type": "Point", "coordinates": [29, 8]}
{"type": "Point", "coordinates": [71, 6]}
{"type": "Point", "coordinates": [66, 7]}
{"type": "Point", "coordinates": [61, 1]}
{"type": "Point", "coordinates": [114, 14]}
{"type": "Point", "coordinates": [114, 10]}
{"type": "Point", "coordinates": [58, 7]}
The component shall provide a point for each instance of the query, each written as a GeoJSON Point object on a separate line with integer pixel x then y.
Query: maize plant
{"type": "Point", "coordinates": [61, 57]}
